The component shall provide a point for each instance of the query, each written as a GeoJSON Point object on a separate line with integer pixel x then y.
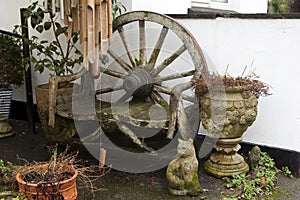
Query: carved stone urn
{"type": "Point", "coordinates": [226, 115]}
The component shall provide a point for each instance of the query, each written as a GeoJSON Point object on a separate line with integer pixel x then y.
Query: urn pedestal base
{"type": "Point", "coordinates": [5, 128]}
{"type": "Point", "coordinates": [226, 161]}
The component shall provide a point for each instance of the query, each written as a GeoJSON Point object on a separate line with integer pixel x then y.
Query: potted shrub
{"type": "Point", "coordinates": [228, 108]}
{"type": "Point", "coordinates": [59, 56]}
{"type": "Point", "coordinates": [55, 179]}
{"type": "Point", "coordinates": [11, 70]}
{"type": "Point", "coordinates": [11, 74]}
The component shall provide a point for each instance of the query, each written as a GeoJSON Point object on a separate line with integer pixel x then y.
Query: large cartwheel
{"type": "Point", "coordinates": [144, 91]}
{"type": "Point", "coordinates": [147, 76]}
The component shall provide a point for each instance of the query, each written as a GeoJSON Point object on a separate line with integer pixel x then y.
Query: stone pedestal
{"type": "Point", "coordinates": [5, 129]}
{"type": "Point", "coordinates": [226, 115]}
{"type": "Point", "coordinates": [226, 161]}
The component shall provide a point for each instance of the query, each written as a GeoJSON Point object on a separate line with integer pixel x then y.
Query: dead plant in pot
{"type": "Point", "coordinates": [57, 178]}
{"type": "Point", "coordinates": [228, 107]}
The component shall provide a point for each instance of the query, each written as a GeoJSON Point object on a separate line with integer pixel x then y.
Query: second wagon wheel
{"type": "Point", "coordinates": [150, 63]}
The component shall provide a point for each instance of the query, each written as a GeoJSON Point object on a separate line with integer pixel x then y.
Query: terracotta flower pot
{"type": "Point", "coordinates": [65, 189]}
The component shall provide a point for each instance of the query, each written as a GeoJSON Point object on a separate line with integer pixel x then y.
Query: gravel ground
{"type": "Point", "coordinates": [125, 186]}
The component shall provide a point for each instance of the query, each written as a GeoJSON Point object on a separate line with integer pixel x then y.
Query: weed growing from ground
{"type": "Point", "coordinates": [5, 171]}
{"type": "Point", "coordinates": [260, 182]}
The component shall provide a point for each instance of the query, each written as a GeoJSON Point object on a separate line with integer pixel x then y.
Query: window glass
{"type": "Point", "coordinates": [220, 1]}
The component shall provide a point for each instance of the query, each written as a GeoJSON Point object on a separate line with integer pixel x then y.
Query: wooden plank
{"type": "Point", "coordinates": [109, 21]}
{"type": "Point", "coordinates": [104, 33]}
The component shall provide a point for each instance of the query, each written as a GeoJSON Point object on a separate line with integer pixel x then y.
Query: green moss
{"type": "Point", "coordinates": [193, 186]}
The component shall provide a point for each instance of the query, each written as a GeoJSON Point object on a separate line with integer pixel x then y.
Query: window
{"type": "Point", "coordinates": [220, 1]}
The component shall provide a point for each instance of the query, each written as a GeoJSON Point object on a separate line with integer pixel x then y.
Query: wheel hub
{"type": "Point", "coordinates": [138, 82]}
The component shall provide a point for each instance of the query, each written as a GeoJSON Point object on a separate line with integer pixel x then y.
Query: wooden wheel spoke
{"type": "Point", "coordinates": [157, 48]}
{"type": "Point", "coordinates": [119, 60]}
{"type": "Point", "coordinates": [109, 89]}
{"type": "Point", "coordinates": [124, 97]}
{"type": "Point", "coordinates": [160, 100]}
{"type": "Point", "coordinates": [165, 90]}
{"type": "Point", "coordinates": [130, 134]}
{"type": "Point", "coordinates": [172, 116]}
{"type": "Point", "coordinates": [112, 72]}
{"type": "Point", "coordinates": [168, 61]}
{"type": "Point", "coordinates": [174, 76]}
{"type": "Point", "coordinates": [142, 43]}
{"type": "Point", "coordinates": [130, 55]}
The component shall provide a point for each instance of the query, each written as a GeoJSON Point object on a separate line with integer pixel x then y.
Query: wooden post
{"type": "Point", "coordinates": [53, 7]}
{"type": "Point", "coordinates": [66, 12]}
{"type": "Point", "coordinates": [109, 16]}
{"type": "Point", "coordinates": [75, 20]}
{"type": "Point", "coordinates": [61, 7]}
{"type": "Point", "coordinates": [46, 4]}
{"type": "Point", "coordinates": [91, 31]}
{"type": "Point", "coordinates": [102, 158]}
{"type": "Point", "coordinates": [103, 18]}
{"type": "Point", "coordinates": [53, 86]}
{"type": "Point", "coordinates": [84, 32]}
{"type": "Point", "coordinates": [95, 70]}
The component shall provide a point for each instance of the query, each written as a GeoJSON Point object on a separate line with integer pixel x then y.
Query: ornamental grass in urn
{"type": "Point", "coordinates": [228, 107]}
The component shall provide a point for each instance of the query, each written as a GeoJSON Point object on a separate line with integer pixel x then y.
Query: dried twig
{"type": "Point", "coordinates": [61, 165]}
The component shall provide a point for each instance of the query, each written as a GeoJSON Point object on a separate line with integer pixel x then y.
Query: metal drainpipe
{"type": "Point", "coordinates": [28, 81]}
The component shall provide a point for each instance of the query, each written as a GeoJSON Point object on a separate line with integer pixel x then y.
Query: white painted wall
{"type": "Point", "coordinates": [273, 46]}
{"type": "Point", "coordinates": [160, 6]}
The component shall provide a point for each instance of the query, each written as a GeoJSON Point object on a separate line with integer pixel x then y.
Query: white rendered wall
{"type": "Point", "coordinates": [273, 46]}
{"type": "Point", "coordinates": [160, 6]}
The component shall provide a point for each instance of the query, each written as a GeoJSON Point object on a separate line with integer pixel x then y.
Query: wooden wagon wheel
{"type": "Point", "coordinates": [144, 73]}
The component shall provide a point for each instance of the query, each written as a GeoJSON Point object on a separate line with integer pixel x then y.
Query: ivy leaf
{"type": "Point", "coordinates": [40, 14]}
{"type": "Point", "coordinates": [75, 38]}
{"type": "Point", "coordinates": [59, 31]}
{"type": "Point", "coordinates": [47, 25]}
{"type": "Point", "coordinates": [57, 25]}
{"type": "Point", "coordinates": [34, 21]}
{"type": "Point", "coordinates": [40, 28]}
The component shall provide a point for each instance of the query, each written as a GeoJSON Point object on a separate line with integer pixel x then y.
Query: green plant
{"type": "Point", "coordinates": [230, 198]}
{"type": "Point", "coordinates": [260, 182]}
{"type": "Point", "coordinates": [286, 171]}
{"type": "Point", "coordinates": [11, 69]}
{"type": "Point", "coordinates": [59, 55]}
{"type": "Point", "coordinates": [14, 198]}
{"type": "Point", "coordinates": [5, 171]}
{"type": "Point", "coordinates": [280, 6]}
{"type": "Point", "coordinates": [117, 7]}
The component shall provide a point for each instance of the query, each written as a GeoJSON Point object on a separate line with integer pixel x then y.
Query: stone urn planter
{"type": "Point", "coordinates": [226, 115]}
{"type": "Point", "coordinates": [228, 107]}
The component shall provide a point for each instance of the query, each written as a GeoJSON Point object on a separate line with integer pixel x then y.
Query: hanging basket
{"type": "Point", "coordinates": [5, 101]}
